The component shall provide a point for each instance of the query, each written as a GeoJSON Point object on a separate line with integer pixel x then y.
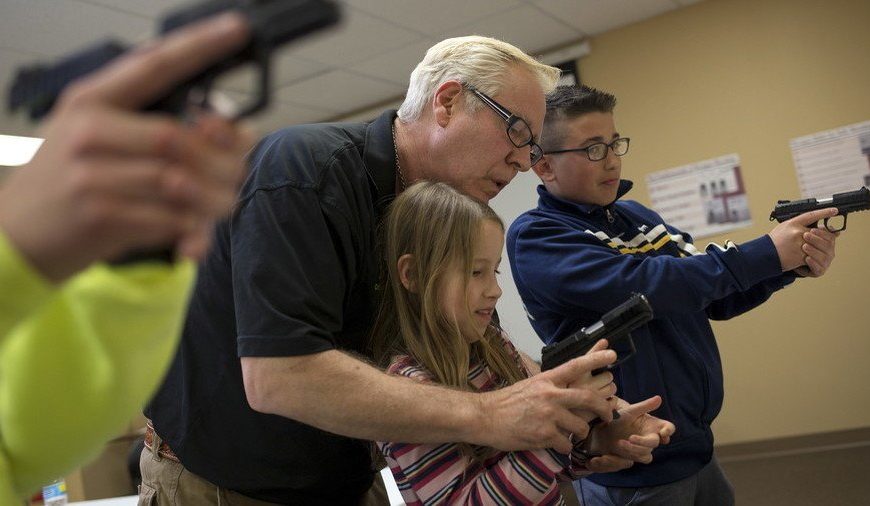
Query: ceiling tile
{"type": "Point", "coordinates": [596, 16]}
{"type": "Point", "coordinates": [19, 124]}
{"type": "Point", "coordinates": [339, 91]}
{"type": "Point", "coordinates": [149, 8]}
{"type": "Point", "coordinates": [286, 70]}
{"type": "Point", "coordinates": [55, 28]}
{"type": "Point", "coordinates": [372, 113]}
{"type": "Point", "coordinates": [525, 27]}
{"type": "Point", "coordinates": [395, 66]}
{"type": "Point", "coordinates": [358, 37]}
{"type": "Point", "coordinates": [283, 114]}
{"type": "Point", "coordinates": [432, 18]}
{"type": "Point", "coordinates": [279, 113]}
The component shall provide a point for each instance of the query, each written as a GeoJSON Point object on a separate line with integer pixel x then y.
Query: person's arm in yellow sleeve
{"type": "Point", "coordinates": [84, 363]}
{"type": "Point", "coordinates": [22, 290]}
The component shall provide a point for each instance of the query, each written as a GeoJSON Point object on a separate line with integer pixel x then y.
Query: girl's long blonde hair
{"type": "Point", "coordinates": [439, 227]}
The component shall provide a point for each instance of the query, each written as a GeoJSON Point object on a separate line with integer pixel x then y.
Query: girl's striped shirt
{"type": "Point", "coordinates": [429, 474]}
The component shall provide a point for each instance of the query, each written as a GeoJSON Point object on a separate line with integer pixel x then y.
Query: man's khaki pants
{"type": "Point", "coordinates": [166, 482]}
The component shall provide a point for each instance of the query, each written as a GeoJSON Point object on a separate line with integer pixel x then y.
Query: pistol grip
{"type": "Point", "coordinates": [597, 421]}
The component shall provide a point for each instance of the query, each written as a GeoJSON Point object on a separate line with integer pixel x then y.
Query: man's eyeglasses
{"type": "Point", "coordinates": [518, 131]}
{"type": "Point", "coordinates": [598, 151]}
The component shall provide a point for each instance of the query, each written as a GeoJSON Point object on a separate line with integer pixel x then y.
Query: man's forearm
{"type": "Point", "coordinates": [341, 394]}
{"type": "Point", "coordinates": [336, 392]}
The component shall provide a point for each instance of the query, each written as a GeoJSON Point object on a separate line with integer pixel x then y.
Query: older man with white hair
{"type": "Point", "coordinates": [269, 400]}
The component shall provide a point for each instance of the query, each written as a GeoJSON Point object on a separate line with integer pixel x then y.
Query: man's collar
{"type": "Point", "coordinates": [380, 156]}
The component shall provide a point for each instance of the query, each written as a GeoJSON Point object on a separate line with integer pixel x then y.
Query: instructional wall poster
{"type": "Point", "coordinates": [702, 198]}
{"type": "Point", "coordinates": [833, 161]}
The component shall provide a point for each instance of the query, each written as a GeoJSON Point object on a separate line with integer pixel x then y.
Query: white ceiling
{"type": "Point", "coordinates": [344, 72]}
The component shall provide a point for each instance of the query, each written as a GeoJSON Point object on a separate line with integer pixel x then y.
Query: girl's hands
{"type": "Point", "coordinates": [632, 438]}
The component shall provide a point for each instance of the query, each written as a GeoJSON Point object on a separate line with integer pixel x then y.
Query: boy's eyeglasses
{"type": "Point", "coordinates": [518, 131]}
{"type": "Point", "coordinates": [598, 151]}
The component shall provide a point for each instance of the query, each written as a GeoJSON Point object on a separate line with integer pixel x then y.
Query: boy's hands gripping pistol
{"type": "Point", "coordinates": [846, 202]}
{"type": "Point", "coordinates": [272, 24]}
{"type": "Point", "coordinates": [615, 326]}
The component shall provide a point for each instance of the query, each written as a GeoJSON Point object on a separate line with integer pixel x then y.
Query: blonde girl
{"type": "Point", "coordinates": [442, 252]}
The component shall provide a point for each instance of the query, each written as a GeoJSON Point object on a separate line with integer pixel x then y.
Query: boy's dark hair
{"type": "Point", "coordinates": [568, 102]}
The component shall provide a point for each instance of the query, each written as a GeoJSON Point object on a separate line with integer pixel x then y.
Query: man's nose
{"type": "Point", "coordinates": [520, 158]}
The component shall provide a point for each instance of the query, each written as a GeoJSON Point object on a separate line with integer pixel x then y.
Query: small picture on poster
{"type": "Point", "coordinates": [703, 198]}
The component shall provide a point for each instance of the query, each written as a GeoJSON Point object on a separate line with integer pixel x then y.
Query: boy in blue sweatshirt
{"type": "Point", "coordinates": [582, 251]}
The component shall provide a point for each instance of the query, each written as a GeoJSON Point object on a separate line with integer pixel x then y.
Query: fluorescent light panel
{"type": "Point", "coordinates": [15, 150]}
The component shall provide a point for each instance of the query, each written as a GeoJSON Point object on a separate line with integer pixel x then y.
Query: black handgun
{"type": "Point", "coordinates": [273, 23]}
{"type": "Point", "coordinates": [615, 326]}
{"type": "Point", "coordinates": [846, 202]}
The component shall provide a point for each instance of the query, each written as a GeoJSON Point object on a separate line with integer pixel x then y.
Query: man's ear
{"type": "Point", "coordinates": [444, 101]}
{"type": "Point", "coordinates": [544, 170]}
{"type": "Point", "coordinates": [406, 270]}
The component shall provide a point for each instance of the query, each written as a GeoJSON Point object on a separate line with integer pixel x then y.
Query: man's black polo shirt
{"type": "Point", "coordinates": [291, 273]}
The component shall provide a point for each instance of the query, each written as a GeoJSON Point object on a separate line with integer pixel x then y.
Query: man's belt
{"type": "Point", "coordinates": [163, 449]}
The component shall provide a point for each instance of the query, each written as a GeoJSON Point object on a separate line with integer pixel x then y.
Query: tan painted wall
{"type": "Point", "coordinates": [746, 76]}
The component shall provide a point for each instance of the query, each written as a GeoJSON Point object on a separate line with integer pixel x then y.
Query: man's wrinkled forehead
{"type": "Point", "coordinates": [522, 94]}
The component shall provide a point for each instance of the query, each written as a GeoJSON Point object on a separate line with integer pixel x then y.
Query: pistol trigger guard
{"type": "Point", "coordinates": [261, 56]}
{"type": "Point", "coordinates": [841, 228]}
{"type": "Point", "coordinates": [835, 230]}
{"type": "Point", "coordinates": [199, 96]}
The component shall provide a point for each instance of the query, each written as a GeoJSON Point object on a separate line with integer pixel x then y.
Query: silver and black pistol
{"type": "Point", "coordinates": [615, 326]}
{"type": "Point", "coordinates": [846, 202]}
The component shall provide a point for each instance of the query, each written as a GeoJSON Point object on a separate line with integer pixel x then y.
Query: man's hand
{"type": "Point", "coordinates": [109, 179]}
{"type": "Point", "coordinates": [808, 251]}
{"type": "Point", "coordinates": [542, 411]}
{"type": "Point", "coordinates": [630, 439]}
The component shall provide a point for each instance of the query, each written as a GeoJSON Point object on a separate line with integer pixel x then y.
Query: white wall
{"type": "Point", "coordinates": [515, 199]}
